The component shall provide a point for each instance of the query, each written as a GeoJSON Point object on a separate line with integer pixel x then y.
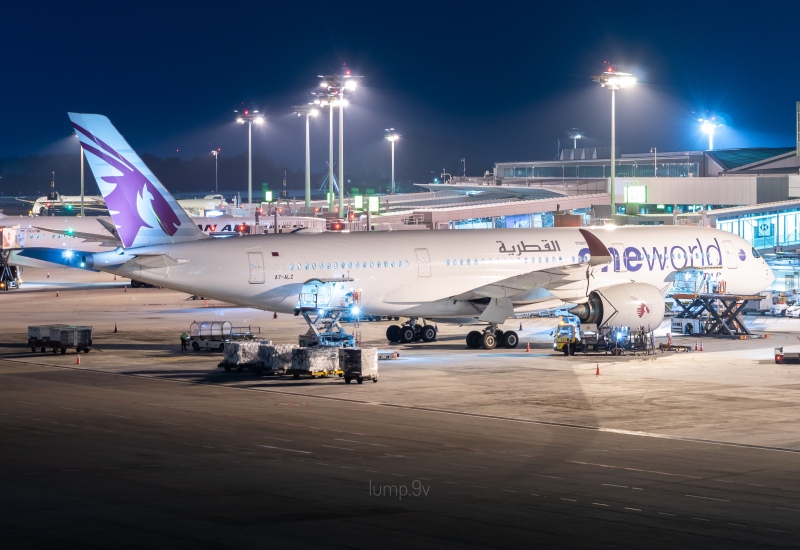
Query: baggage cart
{"type": "Point", "coordinates": [39, 336]}
{"type": "Point", "coordinates": [359, 364]}
{"type": "Point", "coordinates": [69, 337]}
{"type": "Point", "coordinates": [319, 361]}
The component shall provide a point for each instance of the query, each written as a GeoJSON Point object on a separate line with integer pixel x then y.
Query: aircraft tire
{"type": "Point", "coordinates": [474, 340]}
{"type": "Point", "coordinates": [406, 334]}
{"type": "Point", "coordinates": [510, 339]}
{"type": "Point", "coordinates": [488, 340]}
{"type": "Point", "coordinates": [428, 333]}
{"type": "Point", "coordinates": [393, 334]}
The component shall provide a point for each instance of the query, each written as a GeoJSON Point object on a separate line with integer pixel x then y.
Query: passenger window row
{"type": "Point", "coordinates": [348, 265]}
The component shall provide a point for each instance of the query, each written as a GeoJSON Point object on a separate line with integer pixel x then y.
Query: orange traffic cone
{"type": "Point", "coordinates": [528, 347]}
{"type": "Point", "coordinates": [205, 302]}
{"type": "Point", "coordinates": [274, 314]}
{"type": "Point", "coordinates": [78, 360]}
{"type": "Point", "coordinates": [56, 294]}
{"type": "Point", "coordinates": [597, 370]}
{"type": "Point", "coordinates": [695, 346]}
{"type": "Point", "coordinates": [520, 327]}
{"type": "Point", "coordinates": [701, 345]}
{"type": "Point", "coordinates": [126, 288]}
{"type": "Point", "coordinates": [115, 327]}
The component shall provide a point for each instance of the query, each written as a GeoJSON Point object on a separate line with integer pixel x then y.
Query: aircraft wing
{"type": "Point", "coordinates": [104, 240]}
{"type": "Point", "coordinates": [575, 277]}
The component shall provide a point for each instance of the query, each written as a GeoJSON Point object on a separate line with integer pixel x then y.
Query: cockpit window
{"type": "Point", "coordinates": [756, 254]}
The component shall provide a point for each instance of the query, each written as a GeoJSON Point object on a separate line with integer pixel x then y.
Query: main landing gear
{"type": "Point", "coordinates": [411, 332]}
{"type": "Point", "coordinates": [491, 338]}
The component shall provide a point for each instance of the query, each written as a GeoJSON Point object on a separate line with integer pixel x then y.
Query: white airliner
{"type": "Point", "coordinates": [619, 276]}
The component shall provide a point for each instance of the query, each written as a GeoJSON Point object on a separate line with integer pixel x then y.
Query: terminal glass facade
{"type": "Point", "coordinates": [766, 230]}
{"type": "Point", "coordinates": [665, 170]}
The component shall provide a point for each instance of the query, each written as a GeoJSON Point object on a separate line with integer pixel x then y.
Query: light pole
{"type": "Point", "coordinates": [307, 111]}
{"type": "Point", "coordinates": [708, 125]}
{"type": "Point", "coordinates": [392, 136]}
{"type": "Point", "coordinates": [613, 80]}
{"type": "Point", "coordinates": [216, 178]}
{"type": "Point", "coordinates": [328, 100]}
{"type": "Point", "coordinates": [249, 117]}
{"type": "Point", "coordinates": [575, 135]}
{"type": "Point", "coordinates": [336, 86]}
{"type": "Point", "coordinates": [655, 161]}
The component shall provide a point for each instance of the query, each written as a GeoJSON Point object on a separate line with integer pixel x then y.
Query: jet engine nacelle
{"type": "Point", "coordinates": [627, 305]}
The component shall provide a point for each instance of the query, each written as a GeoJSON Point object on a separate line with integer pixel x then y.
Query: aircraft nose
{"type": "Point", "coordinates": [770, 275]}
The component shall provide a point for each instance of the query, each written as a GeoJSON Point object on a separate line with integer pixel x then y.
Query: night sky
{"type": "Point", "coordinates": [486, 81]}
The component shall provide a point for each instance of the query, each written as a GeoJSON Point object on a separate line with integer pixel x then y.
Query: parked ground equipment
{"type": "Point", "coordinates": [60, 338]}
{"type": "Point", "coordinates": [359, 364]}
{"type": "Point", "coordinates": [213, 335]}
{"type": "Point", "coordinates": [786, 357]}
{"type": "Point", "coordinates": [571, 337]}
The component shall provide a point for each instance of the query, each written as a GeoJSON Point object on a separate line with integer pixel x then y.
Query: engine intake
{"type": "Point", "coordinates": [627, 305]}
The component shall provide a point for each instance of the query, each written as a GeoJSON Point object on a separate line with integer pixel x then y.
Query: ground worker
{"type": "Point", "coordinates": [184, 341]}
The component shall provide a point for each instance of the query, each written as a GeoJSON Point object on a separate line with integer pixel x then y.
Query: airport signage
{"type": "Point", "coordinates": [636, 194]}
{"type": "Point", "coordinates": [358, 202]}
{"type": "Point", "coordinates": [374, 204]}
{"type": "Point", "coordinates": [267, 196]}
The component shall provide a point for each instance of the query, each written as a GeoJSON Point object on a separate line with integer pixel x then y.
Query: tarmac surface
{"type": "Point", "coordinates": [143, 445]}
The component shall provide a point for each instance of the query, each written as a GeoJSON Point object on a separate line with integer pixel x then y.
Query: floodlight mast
{"type": "Point", "coordinates": [708, 125]}
{"type": "Point", "coordinates": [336, 86]}
{"type": "Point", "coordinates": [216, 172]}
{"type": "Point", "coordinates": [575, 135]}
{"type": "Point", "coordinates": [392, 136]}
{"type": "Point", "coordinates": [307, 111]}
{"type": "Point", "coordinates": [249, 117]}
{"type": "Point", "coordinates": [614, 80]}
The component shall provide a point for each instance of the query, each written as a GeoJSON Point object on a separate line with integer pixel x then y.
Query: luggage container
{"type": "Point", "coordinates": [39, 336]}
{"type": "Point", "coordinates": [68, 337]}
{"type": "Point", "coordinates": [359, 364]}
{"type": "Point", "coordinates": [319, 361]}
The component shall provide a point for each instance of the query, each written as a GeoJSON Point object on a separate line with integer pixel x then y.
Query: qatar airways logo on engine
{"type": "Point", "coordinates": [643, 307]}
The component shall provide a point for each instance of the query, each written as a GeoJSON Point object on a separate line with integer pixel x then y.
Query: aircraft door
{"type": "Point", "coordinates": [618, 253]}
{"type": "Point", "coordinates": [256, 260]}
{"type": "Point", "coordinates": [423, 262]}
{"type": "Point", "coordinates": [730, 251]}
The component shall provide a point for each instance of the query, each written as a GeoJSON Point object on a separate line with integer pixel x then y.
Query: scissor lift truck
{"type": "Point", "coordinates": [322, 303]}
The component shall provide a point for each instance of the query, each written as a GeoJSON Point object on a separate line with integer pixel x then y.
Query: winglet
{"type": "Point", "coordinates": [598, 251]}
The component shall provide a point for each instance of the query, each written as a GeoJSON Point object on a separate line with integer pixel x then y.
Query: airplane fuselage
{"type": "Point", "coordinates": [441, 273]}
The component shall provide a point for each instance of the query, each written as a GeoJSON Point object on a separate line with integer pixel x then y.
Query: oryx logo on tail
{"type": "Point", "coordinates": [133, 192]}
{"type": "Point", "coordinates": [143, 211]}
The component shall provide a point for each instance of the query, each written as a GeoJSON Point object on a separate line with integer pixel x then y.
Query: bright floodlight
{"type": "Point", "coordinates": [259, 120]}
{"type": "Point", "coordinates": [708, 126]}
{"type": "Point", "coordinates": [351, 84]}
{"type": "Point", "coordinates": [391, 135]}
{"type": "Point", "coordinates": [614, 80]}
{"type": "Point", "coordinates": [240, 120]}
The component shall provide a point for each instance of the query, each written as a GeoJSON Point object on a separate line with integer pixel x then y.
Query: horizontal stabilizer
{"type": "Point", "coordinates": [104, 240]}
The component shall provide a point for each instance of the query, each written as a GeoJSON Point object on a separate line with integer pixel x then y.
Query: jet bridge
{"type": "Point", "coordinates": [322, 302]}
{"type": "Point", "coordinates": [712, 314]}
